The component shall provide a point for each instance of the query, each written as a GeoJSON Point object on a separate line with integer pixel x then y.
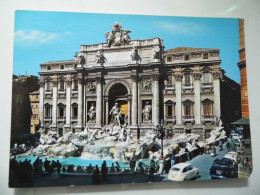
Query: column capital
{"type": "Point", "coordinates": [68, 83]}
{"type": "Point", "coordinates": [54, 83]}
{"type": "Point", "coordinates": [42, 84]}
{"type": "Point", "coordinates": [134, 78]}
{"type": "Point", "coordinates": [197, 75]}
{"type": "Point", "coordinates": [216, 75]}
{"type": "Point", "coordinates": [80, 81]}
{"type": "Point", "coordinates": [178, 77]}
{"type": "Point", "coordinates": [98, 80]}
{"type": "Point", "coordinates": [155, 77]}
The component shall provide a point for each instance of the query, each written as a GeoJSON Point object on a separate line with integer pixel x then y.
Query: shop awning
{"type": "Point", "coordinates": [242, 121]}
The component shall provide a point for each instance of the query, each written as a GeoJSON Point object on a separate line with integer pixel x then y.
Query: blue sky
{"type": "Point", "coordinates": [52, 36]}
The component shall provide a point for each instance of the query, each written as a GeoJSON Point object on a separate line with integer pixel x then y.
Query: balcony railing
{"type": "Point", "coordinates": [74, 118]}
{"type": "Point", "coordinates": [208, 119]}
{"type": "Point", "coordinates": [61, 118]}
{"type": "Point", "coordinates": [170, 119]}
{"type": "Point", "coordinates": [47, 117]}
{"type": "Point", "coordinates": [188, 119]}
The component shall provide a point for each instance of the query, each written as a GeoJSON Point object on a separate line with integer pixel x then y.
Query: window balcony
{"type": "Point", "coordinates": [169, 88]}
{"type": "Point", "coordinates": [74, 118]}
{"type": "Point", "coordinates": [208, 119]}
{"type": "Point", "coordinates": [187, 86]}
{"type": "Point", "coordinates": [61, 118]}
{"type": "Point", "coordinates": [170, 119]}
{"type": "Point", "coordinates": [188, 119]}
{"type": "Point", "coordinates": [206, 86]}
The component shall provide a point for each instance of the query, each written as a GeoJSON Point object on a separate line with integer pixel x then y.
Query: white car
{"type": "Point", "coordinates": [182, 172]}
{"type": "Point", "coordinates": [231, 155]}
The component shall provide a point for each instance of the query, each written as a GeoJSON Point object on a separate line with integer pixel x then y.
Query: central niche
{"type": "Point", "coordinates": [118, 94]}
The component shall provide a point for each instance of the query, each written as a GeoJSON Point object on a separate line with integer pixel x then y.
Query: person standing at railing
{"type": "Point", "coordinates": [132, 166]}
{"type": "Point", "coordinates": [104, 171]}
{"type": "Point", "coordinates": [96, 176]}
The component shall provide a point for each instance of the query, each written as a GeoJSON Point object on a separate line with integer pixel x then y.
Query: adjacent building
{"type": "Point", "coordinates": [21, 107]}
{"type": "Point", "coordinates": [35, 117]}
{"type": "Point", "coordinates": [180, 87]}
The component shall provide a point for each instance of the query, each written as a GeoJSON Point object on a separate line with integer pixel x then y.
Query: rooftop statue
{"type": "Point", "coordinates": [118, 36]}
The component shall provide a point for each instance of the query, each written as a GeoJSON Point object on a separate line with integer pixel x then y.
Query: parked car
{"type": "Point", "coordinates": [183, 172]}
{"type": "Point", "coordinates": [231, 155]}
{"type": "Point", "coordinates": [236, 133]}
{"type": "Point", "coordinates": [222, 168]}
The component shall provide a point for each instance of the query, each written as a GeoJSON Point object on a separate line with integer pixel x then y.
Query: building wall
{"type": "Point", "coordinates": [242, 67]}
{"type": "Point", "coordinates": [21, 108]}
{"type": "Point", "coordinates": [35, 117]}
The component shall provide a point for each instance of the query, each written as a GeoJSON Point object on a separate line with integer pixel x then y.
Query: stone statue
{"type": "Point", "coordinates": [110, 37]}
{"type": "Point", "coordinates": [126, 38]}
{"type": "Point", "coordinates": [156, 52]}
{"type": "Point", "coordinates": [91, 87]}
{"type": "Point", "coordinates": [92, 113]}
{"type": "Point", "coordinates": [147, 85]}
{"type": "Point", "coordinates": [147, 112]}
{"type": "Point", "coordinates": [118, 35]}
{"type": "Point", "coordinates": [134, 55]}
{"type": "Point", "coordinates": [100, 58]}
{"type": "Point", "coordinates": [81, 59]}
{"type": "Point", "coordinates": [116, 114]}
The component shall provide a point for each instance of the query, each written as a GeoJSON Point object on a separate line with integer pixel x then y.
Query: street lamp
{"type": "Point", "coordinates": [161, 134]}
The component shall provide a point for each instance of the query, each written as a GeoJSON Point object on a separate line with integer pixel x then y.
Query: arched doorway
{"type": "Point", "coordinates": [118, 94]}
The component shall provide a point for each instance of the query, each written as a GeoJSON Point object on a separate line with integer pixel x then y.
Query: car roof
{"type": "Point", "coordinates": [181, 165]}
{"type": "Point", "coordinates": [222, 159]}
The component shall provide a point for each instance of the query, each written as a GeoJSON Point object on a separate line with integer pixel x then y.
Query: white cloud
{"type": "Point", "coordinates": [35, 35]}
{"type": "Point", "coordinates": [68, 33]}
{"type": "Point", "coordinates": [181, 27]}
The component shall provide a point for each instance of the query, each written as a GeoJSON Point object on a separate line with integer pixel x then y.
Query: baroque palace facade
{"type": "Point", "coordinates": [136, 78]}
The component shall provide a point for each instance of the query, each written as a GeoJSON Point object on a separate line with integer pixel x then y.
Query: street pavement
{"type": "Point", "coordinates": [205, 161]}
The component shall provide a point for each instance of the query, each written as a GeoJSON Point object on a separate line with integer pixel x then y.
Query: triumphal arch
{"type": "Point", "coordinates": [121, 73]}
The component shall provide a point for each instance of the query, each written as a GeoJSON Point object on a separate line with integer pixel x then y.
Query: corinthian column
{"type": "Point", "coordinates": [68, 104]}
{"type": "Point", "coordinates": [216, 86]}
{"type": "Point", "coordinates": [155, 104]}
{"type": "Point", "coordinates": [99, 102]}
{"type": "Point", "coordinates": [80, 105]}
{"type": "Point", "coordinates": [197, 109]}
{"type": "Point", "coordinates": [178, 90]}
{"type": "Point", "coordinates": [41, 103]}
{"type": "Point", "coordinates": [134, 101]}
{"type": "Point", "coordinates": [54, 105]}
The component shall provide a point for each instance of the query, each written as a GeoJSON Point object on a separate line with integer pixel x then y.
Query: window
{"type": "Point", "coordinates": [62, 87]}
{"type": "Point", "coordinates": [48, 85]}
{"type": "Point", "coordinates": [187, 78]}
{"type": "Point", "coordinates": [61, 111]}
{"type": "Point", "coordinates": [75, 65]}
{"type": "Point", "coordinates": [75, 85]}
{"type": "Point", "coordinates": [186, 57]}
{"type": "Point", "coordinates": [207, 109]}
{"type": "Point", "coordinates": [47, 111]}
{"type": "Point", "coordinates": [188, 108]}
{"type": "Point", "coordinates": [74, 110]}
{"type": "Point", "coordinates": [205, 56]}
{"type": "Point", "coordinates": [207, 105]}
{"type": "Point", "coordinates": [61, 66]}
{"type": "Point", "coordinates": [206, 77]}
{"type": "Point", "coordinates": [169, 59]}
{"type": "Point", "coordinates": [170, 79]}
{"type": "Point", "coordinates": [169, 110]}
{"type": "Point", "coordinates": [36, 116]}
{"type": "Point", "coordinates": [48, 67]}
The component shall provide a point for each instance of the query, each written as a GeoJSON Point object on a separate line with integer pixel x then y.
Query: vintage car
{"type": "Point", "coordinates": [231, 155]}
{"type": "Point", "coordinates": [183, 172]}
{"type": "Point", "coordinates": [222, 168]}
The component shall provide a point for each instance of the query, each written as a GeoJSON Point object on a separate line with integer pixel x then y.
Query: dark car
{"type": "Point", "coordinates": [222, 168]}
